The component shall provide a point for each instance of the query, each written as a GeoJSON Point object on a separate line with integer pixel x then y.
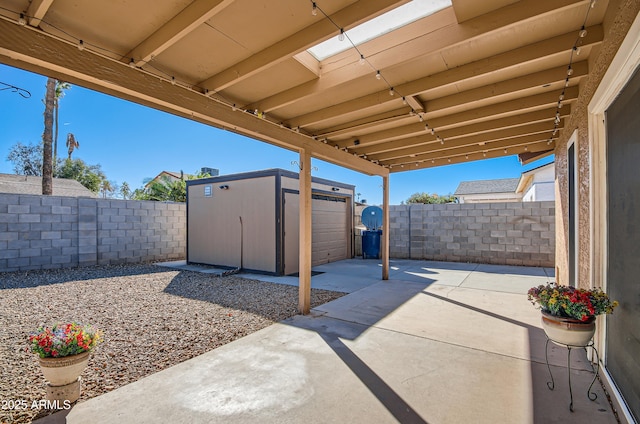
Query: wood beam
{"type": "Point", "coordinates": [511, 107]}
{"type": "Point", "coordinates": [415, 103]}
{"type": "Point", "coordinates": [36, 11]}
{"type": "Point", "coordinates": [32, 50]}
{"type": "Point", "coordinates": [489, 154]}
{"type": "Point", "coordinates": [548, 77]}
{"type": "Point", "coordinates": [471, 143]}
{"type": "Point", "coordinates": [177, 28]}
{"type": "Point", "coordinates": [385, 228]}
{"type": "Point", "coordinates": [494, 90]}
{"type": "Point", "coordinates": [431, 42]}
{"type": "Point", "coordinates": [544, 115]}
{"type": "Point", "coordinates": [323, 29]}
{"type": "Point", "coordinates": [304, 258]}
{"type": "Point", "coordinates": [446, 151]}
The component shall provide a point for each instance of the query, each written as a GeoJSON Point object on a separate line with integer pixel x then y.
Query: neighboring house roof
{"type": "Point", "coordinates": [505, 185]}
{"type": "Point", "coordinates": [527, 176]}
{"type": "Point", "coordinates": [172, 176]}
{"type": "Point", "coordinates": [22, 184]}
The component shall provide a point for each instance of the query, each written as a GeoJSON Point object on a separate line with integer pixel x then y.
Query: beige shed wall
{"type": "Point", "coordinates": [620, 16]}
{"type": "Point", "coordinates": [214, 224]}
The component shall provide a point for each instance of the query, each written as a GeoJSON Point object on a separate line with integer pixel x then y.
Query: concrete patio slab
{"type": "Point", "coordinates": [410, 350]}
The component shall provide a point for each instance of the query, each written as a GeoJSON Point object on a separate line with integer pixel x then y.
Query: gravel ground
{"type": "Point", "coordinates": [152, 318]}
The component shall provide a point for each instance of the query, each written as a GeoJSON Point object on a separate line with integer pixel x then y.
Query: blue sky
{"type": "Point", "coordinates": [133, 143]}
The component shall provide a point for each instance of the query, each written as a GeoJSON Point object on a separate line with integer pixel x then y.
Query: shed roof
{"type": "Point", "coordinates": [505, 185]}
{"type": "Point", "coordinates": [22, 184]}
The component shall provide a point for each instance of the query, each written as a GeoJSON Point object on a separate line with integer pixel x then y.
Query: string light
{"type": "Point", "coordinates": [341, 35]}
{"type": "Point", "coordinates": [391, 92]}
{"type": "Point", "coordinates": [404, 100]}
{"type": "Point", "coordinates": [81, 45]}
{"type": "Point", "coordinates": [378, 75]}
{"type": "Point", "coordinates": [314, 9]}
{"type": "Point", "coordinates": [21, 20]}
{"type": "Point", "coordinates": [361, 61]}
{"type": "Point", "coordinates": [132, 63]}
{"type": "Point", "coordinates": [583, 32]}
{"type": "Point", "coordinates": [173, 79]}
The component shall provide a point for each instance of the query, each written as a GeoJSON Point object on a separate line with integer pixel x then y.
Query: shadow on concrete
{"type": "Point", "coordinates": [400, 409]}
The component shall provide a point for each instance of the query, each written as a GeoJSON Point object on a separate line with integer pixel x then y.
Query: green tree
{"type": "Point", "coordinates": [26, 159]}
{"type": "Point", "coordinates": [167, 189]}
{"type": "Point", "coordinates": [90, 176]}
{"type": "Point", "coordinates": [431, 198]}
{"type": "Point", "coordinates": [47, 138]}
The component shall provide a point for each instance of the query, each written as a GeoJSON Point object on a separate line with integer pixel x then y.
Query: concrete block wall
{"type": "Point", "coordinates": [44, 232]}
{"type": "Point", "coordinates": [494, 233]}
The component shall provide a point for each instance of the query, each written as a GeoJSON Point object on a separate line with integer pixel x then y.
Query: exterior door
{"type": "Point", "coordinates": [623, 208]}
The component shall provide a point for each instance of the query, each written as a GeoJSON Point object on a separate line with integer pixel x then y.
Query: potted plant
{"type": "Point", "coordinates": [63, 352]}
{"type": "Point", "coordinates": [569, 313]}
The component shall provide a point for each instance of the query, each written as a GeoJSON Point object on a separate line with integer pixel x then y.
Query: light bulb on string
{"type": "Point", "coordinates": [361, 61]}
{"type": "Point", "coordinates": [569, 70]}
{"type": "Point", "coordinates": [21, 20]}
{"type": "Point", "coordinates": [80, 45]}
{"type": "Point", "coordinates": [132, 63]}
{"type": "Point", "coordinates": [593, 3]}
{"type": "Point", "coordinates": [404, 100]}
{"type": "Point", "coordinates": [314, 9]}
{"type": "Point", "coordinates": [378, 75]}
{"type": "Point", "coordinates": [433, 132]}
{"type": "Point", "coordinates": [341, 35]}
{"type": "Point", "coordinates": [173, 79]}
{"type": "Point", "coordinates": [583, 32]}
{"type": "Point", "coordinates": [577, 50]}
{"type": "Point", "coordinates": [391, 92]}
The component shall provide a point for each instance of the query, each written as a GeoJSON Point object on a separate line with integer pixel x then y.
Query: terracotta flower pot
{"type": "Point", "coordinates": [568, 331]}
{"type": "Point", "coordinates": [64, 370]}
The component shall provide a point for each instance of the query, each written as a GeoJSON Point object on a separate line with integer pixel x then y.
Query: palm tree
{"type": "Point", "coordinates": [72, 144]}
{"type": "Point", "coordinates": [59, 93]}
{"type": "Point", "coordinates": [125, 190]}
{"type": "Point", "coordinates": [47, 138]}
{"type": "Point", "coordinates": [106, 188]}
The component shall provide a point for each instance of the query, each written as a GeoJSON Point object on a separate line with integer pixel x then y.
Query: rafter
{"type": "Point", "coordinates": [433, 42]}
{"type": "Point", "coordinates": [36, 11]}
{"type": "Point", "coordinates": [524, 82]}
{"type": "Point", "coordinates": [545, 115]}
{"type": "Point", "coordinates": [177, 28]}
{"type": "Point", "coordinates": [62, 60]}
{"type": "Point", "coordinates": [471, 142]}
{"type": "Point", "coordinates": [350, 16]}
{"type": "Point", "coordinates": [511, 107]}
{"type": "Point", "coordinates": [541, 146]}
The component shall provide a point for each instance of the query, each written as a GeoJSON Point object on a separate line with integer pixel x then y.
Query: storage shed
{"type": "Point", "coordinates": [250, 220]}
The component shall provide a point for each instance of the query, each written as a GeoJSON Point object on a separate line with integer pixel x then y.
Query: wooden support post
{"type": "Point", "coordinates": [385, 227]}
{"type": "Point", "coordinates": [304, 265]}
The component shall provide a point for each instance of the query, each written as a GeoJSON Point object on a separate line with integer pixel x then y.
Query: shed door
{"type": "Point", "coordinates": [330, 233]}
{"type": "Point", "coordinates": [623, 181]}
{"type": "Point", "coordinates": [330, 228]}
